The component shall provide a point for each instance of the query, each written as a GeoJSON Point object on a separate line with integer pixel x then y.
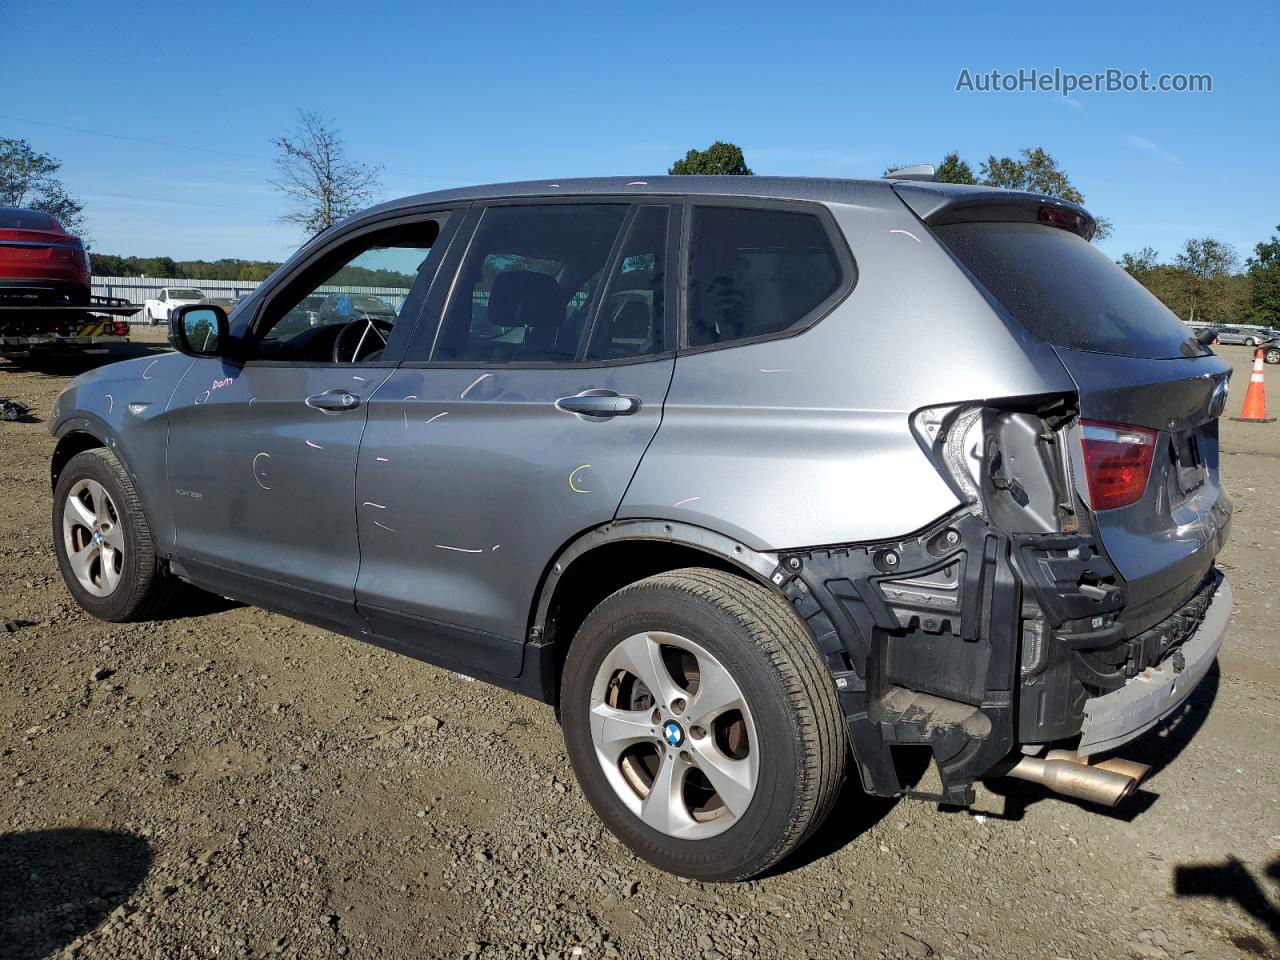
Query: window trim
{"type": "Point", "coordinates": [839, 245]}
{"type": "Point", "coordinates": [466, 236]}
{"type": "Point", "coordinates": [453, 215]}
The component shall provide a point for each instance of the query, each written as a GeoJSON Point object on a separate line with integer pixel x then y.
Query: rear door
{"type": "Point", "coordinates": [1134, 364]}
{"type": "Point", "coordinates": [516, 425]}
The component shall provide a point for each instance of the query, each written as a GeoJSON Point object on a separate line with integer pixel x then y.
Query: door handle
{"type": "Point", "coordinates": [599, 404]}
{"type": "Point", "coordinates": [333, 401]}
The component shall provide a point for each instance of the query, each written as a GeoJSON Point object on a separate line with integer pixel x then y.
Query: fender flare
{"type": "Point", "coordinates": [759, 566]}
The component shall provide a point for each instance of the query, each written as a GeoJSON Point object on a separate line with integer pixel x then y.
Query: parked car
{"type": "Point", "coordinates": [158, 308]}
{"type": "Point", "coordinates": [1248, 336]}
{"type": "Point", "coordinates": [304, 316]}
{"type": "Point", "coordinates": [226, 303]}
{"type": "Point", "coordinates": [665, 454]}
{"type": "Point", "coordinates": [1271, 350]}
{"type": "Point", "coordinates": [40, 262]}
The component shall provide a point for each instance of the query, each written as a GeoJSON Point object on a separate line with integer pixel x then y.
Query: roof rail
{"type": "Point", "coordinates": [919, 171]}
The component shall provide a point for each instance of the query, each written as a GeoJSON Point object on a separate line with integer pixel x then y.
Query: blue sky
{"type": "Point", "coordinates": [442, 94]}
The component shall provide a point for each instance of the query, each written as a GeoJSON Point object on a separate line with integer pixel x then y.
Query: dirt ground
{"type": "Point", "coordinates": [232, 783]}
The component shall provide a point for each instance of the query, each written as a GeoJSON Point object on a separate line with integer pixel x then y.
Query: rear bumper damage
{"type": "Point", "coordinates": [1114, 719]}
{"type": "Point", "coordinates": [962, 643]}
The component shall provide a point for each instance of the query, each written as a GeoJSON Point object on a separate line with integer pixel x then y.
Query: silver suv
{"type": "Point", "coordinates": [667, 454]}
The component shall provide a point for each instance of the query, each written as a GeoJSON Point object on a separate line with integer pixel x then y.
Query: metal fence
{"type": "Point", "coordinates": [139, 289]}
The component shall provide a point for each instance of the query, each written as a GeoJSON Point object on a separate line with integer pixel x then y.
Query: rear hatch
{"type": "Point", "coordinates": [1145, 456]}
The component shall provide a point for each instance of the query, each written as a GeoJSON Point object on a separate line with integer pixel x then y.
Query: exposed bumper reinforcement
{"type": "Point", "coordinates": [1122, 715]}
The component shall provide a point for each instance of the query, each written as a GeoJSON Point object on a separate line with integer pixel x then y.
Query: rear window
{"type": "Point", "coordinates": [177, 293]}
{"type": "Point", "coordinates": [756, 272]}
{"type": "Point", "coordinates": [26, 220]}
{"type": "Point", "coordinates": [1064, 290]}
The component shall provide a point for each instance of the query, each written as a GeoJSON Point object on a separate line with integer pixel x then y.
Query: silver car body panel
{"type": "Point", "coordinates": [805, 440]}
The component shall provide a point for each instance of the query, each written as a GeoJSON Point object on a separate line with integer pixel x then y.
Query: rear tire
{"type": "Point", "coordinates": [757, 754]}
{"type": "Point", "coordinates": [1250, 342]}
{"type": "Point", "coordinates": [103, 542]}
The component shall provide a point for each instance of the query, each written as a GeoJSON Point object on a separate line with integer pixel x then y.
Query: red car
{"type": "Point", "coordinates": [39, 261]}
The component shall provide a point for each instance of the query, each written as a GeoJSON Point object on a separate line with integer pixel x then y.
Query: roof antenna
{"type": "Point", "coordinates": [919, 171]}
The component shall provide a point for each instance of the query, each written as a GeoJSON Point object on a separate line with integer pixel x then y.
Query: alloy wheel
{"type": "Point", "coordinates": [674, 735]}
{"type": "Point", "coordinates": [94, 537]}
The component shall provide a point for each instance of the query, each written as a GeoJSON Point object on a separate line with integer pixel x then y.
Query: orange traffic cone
{"type": "Point", "coordinates": [1255, 398]}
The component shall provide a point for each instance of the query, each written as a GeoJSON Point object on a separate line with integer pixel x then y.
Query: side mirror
{"type": "Point", "coordinates": [199, 330]}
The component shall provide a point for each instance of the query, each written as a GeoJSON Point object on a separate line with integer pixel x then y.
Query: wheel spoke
{"type": "Point", "coordinates": [76, 513]}
{"type": "Point", "coordinates": [717, 692]}
{"type": "Point", "coordinates": [82, 561]}
{"type": "Point", "coordinates": [615, 730]}
{"type": "Point", "coordinates": [110, 575]}
{"type": "Point", "coordinates": [101, 512]}
{"type": "Point", "coordinates": [641, 655]}
{"type": "Point", "coordinates": [663, 807]}
{"type": "Point", "coordinates": [733, 780]}
{"type": "Point", "coordinates": [114, 536]}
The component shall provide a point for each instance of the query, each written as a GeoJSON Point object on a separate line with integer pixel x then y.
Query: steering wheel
{"type": "Point", "coordinates": [372, 332]}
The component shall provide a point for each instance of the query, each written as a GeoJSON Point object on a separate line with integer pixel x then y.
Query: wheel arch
{"type": "Point", "coordinates": [604, 559]}
{"type": "Point", "coordinates": [73, 441]}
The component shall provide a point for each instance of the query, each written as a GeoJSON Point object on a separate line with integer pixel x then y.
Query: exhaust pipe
{"type": "Point", "coordinates": [1076, 777]}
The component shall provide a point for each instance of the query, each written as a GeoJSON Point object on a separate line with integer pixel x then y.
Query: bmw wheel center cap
{"type": "Point", "coordinates": [673, 733]}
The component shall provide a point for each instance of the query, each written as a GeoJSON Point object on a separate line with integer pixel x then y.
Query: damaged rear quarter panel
{"type": "Point", "coordinates": [805, 440]}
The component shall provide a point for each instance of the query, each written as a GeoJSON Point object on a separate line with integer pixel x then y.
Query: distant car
{"type": "Point", "coordinates": [304, 316]}
{"type": "Point", "coordinates": [226, 303]}
{"type": "Point", "coordinates": [40, 262]}
{"type": "Point", "coordinates": [156, 309]}
{"type": "Point", "coordinates": [1234, 333]}
{"type": "Point", "coordinates": [346, 307]}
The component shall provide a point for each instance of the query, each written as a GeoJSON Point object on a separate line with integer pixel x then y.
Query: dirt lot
{"type": "Point", "coordinates": [231, 783]}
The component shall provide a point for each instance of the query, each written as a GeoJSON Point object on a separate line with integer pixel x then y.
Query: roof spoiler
{"type": "Point", "coordinates": [939, 203]}
{"type": "Point", "coordinates": [919, 171]}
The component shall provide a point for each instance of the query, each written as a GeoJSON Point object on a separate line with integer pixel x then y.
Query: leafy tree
{"type": "Point", "coordinates": [954, 170]}
{"type": "Point", "coordinates": [719, 158]}
{"type": "Point", "coordinates": [1207, 263]}
{"type": "Point", "coordinates": [28, 179]}
{"type": "Point", "coordinates": [1142, 263]}
{"type": "Point", "coordinates": [315, 174]}
{"type": "Point", "coordinates": [1264, 281]}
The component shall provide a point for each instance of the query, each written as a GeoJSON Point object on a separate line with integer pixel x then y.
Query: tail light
{"type": "Point", "coordinates": [1117, 462]}
{"type": "Point", "coordinates": [121, 328]}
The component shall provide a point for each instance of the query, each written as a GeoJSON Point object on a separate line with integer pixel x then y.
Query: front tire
{"type": "Point", "coordinates": [103, 542]}
{"type": "Point", "coordinates": [1272, 355]}
{"type": "Point", "coordinates": [702, 723]}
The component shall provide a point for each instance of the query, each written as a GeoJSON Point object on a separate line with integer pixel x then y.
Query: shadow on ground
{"type": "Point", "coordinates": [854, 813]}
{"type": "Point", "coordinates": [1157, 748]}
{"type": "Point", "coordinates": [1231, 881]}
{"type": "Point", "coordinates": [57, 885]}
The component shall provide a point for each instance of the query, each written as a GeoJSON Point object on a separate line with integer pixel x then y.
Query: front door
{"type": "Point", "coordinates": [517, 429]}
{"type": "Point", "coordinates": [262, 453]}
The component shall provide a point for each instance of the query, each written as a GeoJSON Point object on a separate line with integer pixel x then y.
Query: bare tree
{"type": "Point", "coordinates": [315, 174]}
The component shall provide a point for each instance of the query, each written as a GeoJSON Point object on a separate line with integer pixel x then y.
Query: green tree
{"type": "Point", "coordinates": [28, 179]}
{"type": "Point", "coordinates": [719, 158]}
{"type": "Point", "coordinates": [954, 170]}
{"type": "Point", "coordinates": [315, 174]}
{"type": "Point", "coordinates": [1142, 263]}
{"type": "Point", "coordinates": [1207, 264]}
{"type": "Point", "coordinates": [1264, 281]}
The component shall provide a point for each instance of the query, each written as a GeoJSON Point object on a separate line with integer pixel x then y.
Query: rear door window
{"type": "Point", "coordinates": [525, 289]}
{"type": "Point", "coordinates": [757, 272]}
{"type": "Point", "coordinates": [631, 318]}
{"type": "Point", "coordinates": [1064, 290]}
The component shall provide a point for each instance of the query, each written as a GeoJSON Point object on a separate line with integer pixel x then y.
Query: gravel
{"type": "Point", "coordinates": [230, 783]}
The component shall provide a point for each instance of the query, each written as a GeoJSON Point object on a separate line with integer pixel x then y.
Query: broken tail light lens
{"type": "Point", "coordinates": [1117, 462]}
